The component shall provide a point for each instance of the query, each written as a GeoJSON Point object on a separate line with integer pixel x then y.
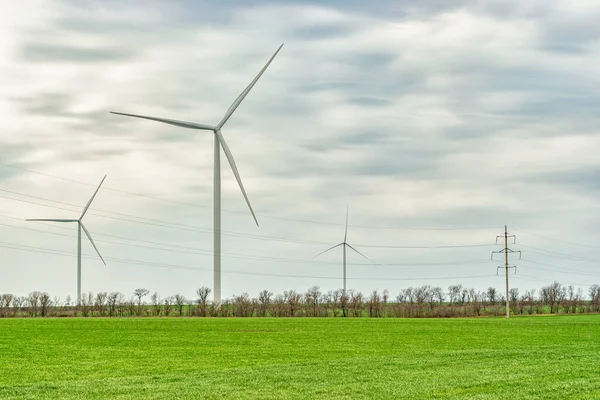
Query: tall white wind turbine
{"type": "Point", "coordinates": [344, 244]}
{"type": "Point", "coordinates": [80, 226]}
{"type": "Point", "coordinates": [219, 141]}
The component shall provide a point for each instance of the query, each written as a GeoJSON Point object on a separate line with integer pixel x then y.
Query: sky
{"type": "Point", "coordinates": [436, 122]}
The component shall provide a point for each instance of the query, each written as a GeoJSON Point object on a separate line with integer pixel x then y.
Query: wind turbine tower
{"type": "Point", "coordinates": [344, 244]}
{"type": "Point", "coordinates": [80, 226]}
{"type": "Point", "coordinates": [219, 141]}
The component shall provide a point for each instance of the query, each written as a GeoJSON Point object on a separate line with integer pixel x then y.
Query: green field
{"type": "Point", "coordinates": [550, 357]}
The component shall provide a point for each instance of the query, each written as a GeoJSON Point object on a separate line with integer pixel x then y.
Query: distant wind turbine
{"type": "Point", "coordinates": [80, 226]}
{"type": "Point", "coordinates": [344, 244]}
{"type": "Point", "coordinates": [218, 143]}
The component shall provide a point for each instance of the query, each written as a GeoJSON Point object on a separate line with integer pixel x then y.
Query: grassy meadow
{"type": "Point", "coordinates": [545, 357]}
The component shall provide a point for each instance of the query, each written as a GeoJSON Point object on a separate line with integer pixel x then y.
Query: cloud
{"type": "Point", "coordinates": [43, 52]}
{"type": "Point", "coordinates": [439, 114]}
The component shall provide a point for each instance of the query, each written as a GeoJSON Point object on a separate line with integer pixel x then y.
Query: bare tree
{"type": "Point", "coordinates": [312, 299]}
{"type": "Point", "coordinates": [438, 294]}
{"type": "Point", "coordinates": [121, 304]}
{"type": "Point", "coordinates": [57, 305]}
{"type": "Point", "coordinates": [293, 299]}
{"type": "Point", "coordinates": [492, 295]}
{"type": "Point", "coordinates": [424, 301]}
{"type": "Point", "coordinates": [223, 309]}
{"type": "Point", "coordinates": [374, 304]}
{"type": "Point", "coordinates": [264, 300]}
{"type": "Point", "coordinates": [552, 295]}
{"type": "Point", "coordinates": [594, 292]}
{"type": "Point", "coordinates": [168, 303]}
{"type": "Point", "coordinates": [100, 303]}
{"type": "Point", "coordinates": [332, 299]}
{"type": "Point", "coordinates": [344, 298]}
{"type": "Point", "coordinates": [476, 299]}
{"type": "Point", "coordinates": [45, 304]}
{"type": "Point", "coordinates": [243, 306]}
{"type": "Point", "coordinates": [139, 294]}
{"type": "Point", "coordinates": [385, 297]}
{"type": "Point", "coordinates": [87, 302]}
{"type": "Point", "coordinates": [156, 304]}
{"type": "Point", "coordinates": [18, 303]}
{"type": "Point", "coordinates": [190, 306]}
{"type": "Point", "coordinates": [513, 295]}
{"type": "Point", "coordinates": [574, 299]}
{"type": "Point", "coordinates": [180, 302]}
{"type": "Point", "coordinates": [421, 295]}
{"type": "Point", "coordinates": [409, 298]}
{"type": "Point", "coordinates": [356, 303]}
{"type": "Point", "coordinates": [528, 301]}
{"type": "Point", "coordinates": [112, 303]}
{"type": "Point", "coordinates": [33, 303]}
{"type": "Point", "coordinates": [280, 306]}
{"type": "Point", "coordinates": [454, 294]}
{"type": "Point", "coordinates": [203, 294]}
{"type": "Point", "coordinates": [6, 301]}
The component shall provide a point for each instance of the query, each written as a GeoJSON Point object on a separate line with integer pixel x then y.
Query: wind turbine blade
{"type": "Point", "coordinates": [242, 95]}
{"type": "Point", "coordinates": [235, 170]}
{"type": "Point", "coordinates": [360, 253]}
{"type": "Point", "coordinates": [92, 198]}
{"type": "Point", "coordinates": [51, 220]}
{"type": "Point", "coordinates": [346, 233]}
{"type": "Point", "coordinates": [331, 248]}
{"type": "Point", "coordinates": [92, 241]}
{"type": "Point", "coordinates": [182, 124]}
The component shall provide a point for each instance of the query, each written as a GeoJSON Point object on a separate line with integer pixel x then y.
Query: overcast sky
{"type": "Point", "coordinates": [437, 122]}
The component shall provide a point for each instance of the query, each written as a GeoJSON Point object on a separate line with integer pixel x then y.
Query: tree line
{"type": "Point", "coordinates": [412, 302]}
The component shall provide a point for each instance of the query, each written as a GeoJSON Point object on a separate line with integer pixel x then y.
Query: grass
{"type": "Point", "coordinates": [550, 357]}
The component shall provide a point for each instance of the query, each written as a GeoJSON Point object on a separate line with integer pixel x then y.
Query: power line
{"type": "Point", "coordinates": [244, 213]}
{"type": "Point", "coordinates": [195, 228]}
{"type": "Point", "coordinates": [536, 279]}
{"type": "Point", "coordinates": [198, 251]}
{"type": "Point", "coordinates": [556, 266]}
{"type": "Point", "coordinates": [185, 267]}
{"type": "Point", "coordinates": [171, 225]}
{"type": "Point", "coordinates": [42, 250]}
{"type": "Point", "coordinates": [559, 240]}
{"type": "Point", "coordinates": [564, 271]}
{"type": "Point", "coordinates": [450, 246]}
{"type": "Point", "coordinates": [555, 254]}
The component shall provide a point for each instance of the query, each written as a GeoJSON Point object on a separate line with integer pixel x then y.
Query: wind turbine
{"type": "Point", "coordinates": [344, 244]}
{"type": "Point", "coordinates": [219, 141]}
{"type": "Point", "coordinates": [80, 226]}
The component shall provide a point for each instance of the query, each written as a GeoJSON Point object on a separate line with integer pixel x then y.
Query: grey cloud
{"type": "Point", "coordinates": [393, 9]}
{"type": "Point", "coordinates": [323, 168]}
{"type": "Point", "coordinates": [12, 153]}
{"type": "Point", "coordinates": [90, 153]}
{"type": "Point", "coordinates": [566, 48]}
{"type": "Point", "coordinates": [581, 179]}
{"type": "Point", "coordinates": [369, 59]}
{"type": "Point", "coordinates": [558, 29]}
{"type": "Point", "coordinates": [369, 101]}
{"type": "Point", "coordinates": [337, 189]}
{"type": "Point", "coordinates": [468, 217]}
{"type": "Point", "coordinates": [572, 107]}
{"type": "Point", "coordinates": [321, 32]}
{"type": "Point", "coordinates": [398, 164]}
{"type": "Point", "coordinates": [99, 27]}
{"type": "Point", "coordinates": [47, 104]}
{"type": "Point", "coordinates": [368, 138]}
{"type": "Point", "coordinates": [381, 155]}
{"type": "Point", "coordinates": [44, 52]}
